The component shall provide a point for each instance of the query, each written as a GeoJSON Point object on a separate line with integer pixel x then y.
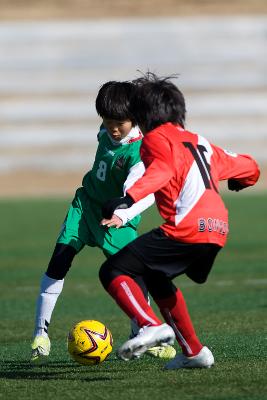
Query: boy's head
{"type": "Point", "coordinates": [113, 105]}
{"type": "Point", "coordinates": [157, 101]}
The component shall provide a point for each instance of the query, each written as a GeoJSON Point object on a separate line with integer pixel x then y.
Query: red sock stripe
{"type": "Point", "coordinates": [131, 300]}
{"type": "Point", "coordinates": [175, 313]}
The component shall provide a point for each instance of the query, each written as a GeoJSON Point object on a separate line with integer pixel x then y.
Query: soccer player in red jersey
{"type": "Point", "coordinates": [183, 170]}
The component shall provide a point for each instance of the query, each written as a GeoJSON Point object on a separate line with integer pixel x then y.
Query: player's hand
{"type": "Point", "coordinates": [114, 204]}
{"type": "Point", "coordinates": [113, 221]}
{"type": "Point", "coordinates": [235, 185]}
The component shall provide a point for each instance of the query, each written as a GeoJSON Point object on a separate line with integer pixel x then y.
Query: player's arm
{"type": "Point", "coordinates": [135, 173]}
{"type": "Point", "coordinates": [240, 170]}
{"type": "Point", "coordinates": [156, 154]}
{"type": "Point", "coordinates": [123, 215]}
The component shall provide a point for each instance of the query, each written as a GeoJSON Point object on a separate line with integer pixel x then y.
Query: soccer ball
{"type": "Point", "coordinates": [89, 342]}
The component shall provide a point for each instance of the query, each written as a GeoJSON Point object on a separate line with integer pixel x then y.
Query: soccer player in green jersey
{"type": "Point", "coordinates": [116, 167]}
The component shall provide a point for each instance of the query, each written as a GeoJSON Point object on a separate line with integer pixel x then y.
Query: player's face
{"type": "Point", "coordinates": [117, 129]}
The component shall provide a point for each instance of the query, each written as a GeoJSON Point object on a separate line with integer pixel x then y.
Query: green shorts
{"type": "Point", "coordinates": [82, 227]}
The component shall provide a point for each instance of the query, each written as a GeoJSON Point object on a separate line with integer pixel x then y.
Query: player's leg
{"type": "Point", "coordinates": [173, 306]}
{"type": "Point", "coordinates": [134, 328]}
{"type": "Point", "coordinates": [117, 276]}
{"type": "Point", "coordinates": [68, 245]}
{"type": "Point", "coordinates": [116, 239]}
{"type": "Point", "coordinates": [50, 289]}
{"type": "Point", "coordinates": [174, 310]}
{"type": "Point", "coordinates": [52, 285]}
{"type": "Point", "coordinates": [166, 259]}
{"type": "Point", "coordinates": [198, 271]}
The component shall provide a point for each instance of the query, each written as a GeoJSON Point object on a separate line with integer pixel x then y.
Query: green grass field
{"type": "Point", "coordinates": [229, 313]}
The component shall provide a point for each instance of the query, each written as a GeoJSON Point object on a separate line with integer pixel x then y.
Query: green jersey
{"type": "Point", "coordinates": [110, 175]}
{"type": "Point", "coordinates": [111, 167]}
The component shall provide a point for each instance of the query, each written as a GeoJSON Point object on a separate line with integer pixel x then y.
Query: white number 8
{"type": "Point", "coordinates": [102, 170]}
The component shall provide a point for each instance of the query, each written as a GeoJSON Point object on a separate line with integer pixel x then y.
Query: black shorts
{"type": "Point", "coordinates": [154, 251]}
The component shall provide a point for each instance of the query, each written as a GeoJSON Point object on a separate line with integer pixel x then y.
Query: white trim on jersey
{"type": "Point", "coordinates": [135, 173]}
{"type": "Point", "coordinates": [193, 187]}
{"type": "Point", "coordinates": [136, 305]}
{"type": "Point", "coordinates": [134, 133]}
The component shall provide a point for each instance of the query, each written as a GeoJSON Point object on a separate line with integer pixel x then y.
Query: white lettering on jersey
{"type": "Point", "coordinates": [101, 171]}
{"type": "Point", "coordinates": [110, 151]}
{"type": "Point", "coordinates": [213, 225]}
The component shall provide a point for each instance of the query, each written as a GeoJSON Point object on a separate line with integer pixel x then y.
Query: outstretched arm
{"type": "Point", "coordinates": [240, 170]}
{"type": "Point", "coordinates": [157, 156]}
{"type": "Point", "coordinates": [128, 209]}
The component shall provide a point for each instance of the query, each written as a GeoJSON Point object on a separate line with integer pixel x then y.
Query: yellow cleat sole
{"type": "Point", "coordinates": [164, 352]}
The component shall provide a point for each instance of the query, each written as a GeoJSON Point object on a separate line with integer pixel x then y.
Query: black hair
{"type": "Point", "coordinates": [113, 101]}
{"type": "Point", "coordinates": [157, 101]}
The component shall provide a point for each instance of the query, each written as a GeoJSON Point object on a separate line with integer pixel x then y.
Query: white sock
{"type": "Point", "coordinates": [50, 289]}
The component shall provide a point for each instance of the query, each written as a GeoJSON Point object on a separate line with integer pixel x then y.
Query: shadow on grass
{"type": "Point", "coordinates": [61, 371]}
{"type": "Point", "coordinates": [27, 365]}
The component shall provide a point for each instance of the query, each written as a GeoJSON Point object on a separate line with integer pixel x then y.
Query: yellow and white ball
{"type": "Point", "coordinates": [89, 342]}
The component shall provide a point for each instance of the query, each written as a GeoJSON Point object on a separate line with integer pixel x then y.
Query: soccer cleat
{"type": "Point", "coordinates": [40, 348]}
{"type": "Point", "coordinates": [166, 352]}
{"type": "Point", "coordinates": [204, 359]}
{"type": "Point", "coordinates": [149, 336]}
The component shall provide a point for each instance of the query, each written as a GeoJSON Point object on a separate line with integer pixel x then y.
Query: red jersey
{"type": "Point", "coordinates": [183, 171]}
